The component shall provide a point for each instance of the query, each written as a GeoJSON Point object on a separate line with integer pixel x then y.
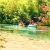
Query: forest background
{"type": "Point", "coordinates": [12, 11]}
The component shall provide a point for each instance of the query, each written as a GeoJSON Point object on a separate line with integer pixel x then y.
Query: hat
{"type": "Point", "coordinates": [32, 20]}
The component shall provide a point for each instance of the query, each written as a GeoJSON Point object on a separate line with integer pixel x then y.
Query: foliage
{"type": "Point", "coordinates": [45, 20]}
{"type": "Point", "coordinates": [12, 11]}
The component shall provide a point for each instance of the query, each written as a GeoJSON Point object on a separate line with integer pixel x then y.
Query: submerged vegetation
{"type": "Point", "coordinates": [16, 41]}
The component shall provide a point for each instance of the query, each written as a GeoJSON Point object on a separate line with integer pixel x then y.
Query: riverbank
{"type": "Point", "coordinates": [17, 42]}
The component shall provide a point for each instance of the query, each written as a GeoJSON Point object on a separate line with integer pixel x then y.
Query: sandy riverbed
{"type": "Point", "coordinates": [17, 42]}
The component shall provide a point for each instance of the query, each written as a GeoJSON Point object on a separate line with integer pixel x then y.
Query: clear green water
{"type": "Point", "coordinates": [14, 29]}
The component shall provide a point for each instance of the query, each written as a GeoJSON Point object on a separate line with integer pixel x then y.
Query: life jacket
{"type": "Point", "coordinates": [32, 23]}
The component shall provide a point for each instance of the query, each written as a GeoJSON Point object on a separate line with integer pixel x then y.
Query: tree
{"type": "Point", "coordinates": [45, 18]}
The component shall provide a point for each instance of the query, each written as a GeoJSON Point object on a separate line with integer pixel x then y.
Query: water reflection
{"type": "Point", "coordinates": [27, 33]}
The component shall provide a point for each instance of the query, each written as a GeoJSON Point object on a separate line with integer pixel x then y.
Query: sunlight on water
{"type": "Point", "coordinates": [27, 32]}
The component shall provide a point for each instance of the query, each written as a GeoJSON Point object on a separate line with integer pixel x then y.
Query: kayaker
{"type": "Point", "coordinates": [32, 22]}
{"type": "Point", "coordinates": [21, 23]}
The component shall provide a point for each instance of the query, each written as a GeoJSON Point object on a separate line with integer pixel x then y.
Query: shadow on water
{"type": "Point", "coordinates": [26, 33]}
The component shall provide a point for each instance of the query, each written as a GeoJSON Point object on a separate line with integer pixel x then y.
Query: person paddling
{"type": "Point", "coordinates": [21, 23]}
{"type": "Point", "coordinates": [32, 22]}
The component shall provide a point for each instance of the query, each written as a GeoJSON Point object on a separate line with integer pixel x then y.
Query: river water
{"type": "Point", "coordinates": [42, 33]}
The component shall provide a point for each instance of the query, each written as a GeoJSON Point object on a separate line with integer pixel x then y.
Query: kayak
{"type": "Point", "coordinates": [33, 26]}
{"type": "Point", "coordinates": [21, 24]}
